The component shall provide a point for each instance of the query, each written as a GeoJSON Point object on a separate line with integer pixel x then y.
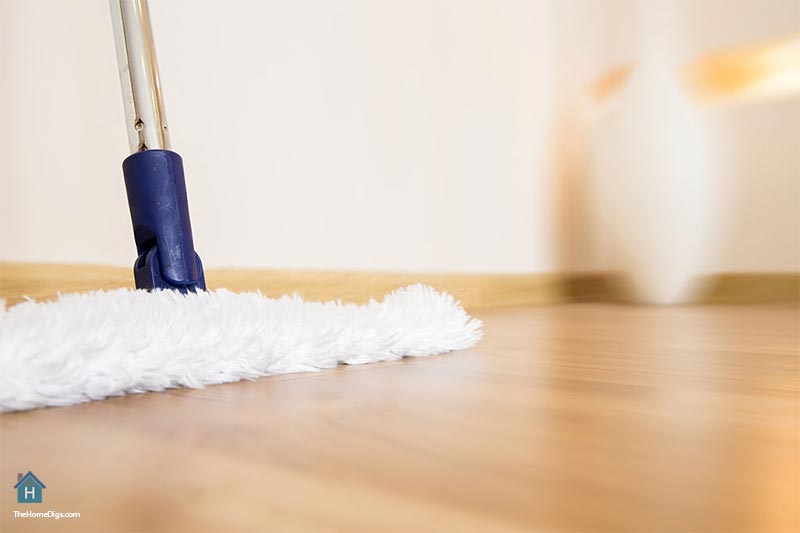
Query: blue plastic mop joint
{"type": "Point", "coordinates": [162, 230]}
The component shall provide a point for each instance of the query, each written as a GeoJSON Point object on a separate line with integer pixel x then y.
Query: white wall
{"type": "Point", "coordinates": [348, 134]}
{"type": "Point", "coordinates": [342, 133]}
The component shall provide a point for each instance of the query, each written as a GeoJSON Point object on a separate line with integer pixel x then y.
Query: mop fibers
{"type": "Point", "coordinates": [91, 346]}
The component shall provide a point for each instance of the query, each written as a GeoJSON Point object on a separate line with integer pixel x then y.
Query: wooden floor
{"type": "Point", "coordinates": [579, 417]}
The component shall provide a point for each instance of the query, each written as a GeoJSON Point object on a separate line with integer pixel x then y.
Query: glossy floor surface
{"type": "Point", "coordinates": [582, 417]}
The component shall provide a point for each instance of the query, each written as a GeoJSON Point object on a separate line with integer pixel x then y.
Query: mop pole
{"type": "Point", "coordinates": [154, 179]}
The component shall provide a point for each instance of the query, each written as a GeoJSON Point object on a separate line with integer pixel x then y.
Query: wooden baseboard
{"type": "Point", "coordinates": [45, 281]}
{"type": "Point", "coordinates": [754, 287]}
{"type": "Point", "coordinates": [476, 291]}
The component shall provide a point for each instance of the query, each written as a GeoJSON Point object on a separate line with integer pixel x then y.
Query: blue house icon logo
{"type": "Point", "coordinates": [29, 488]}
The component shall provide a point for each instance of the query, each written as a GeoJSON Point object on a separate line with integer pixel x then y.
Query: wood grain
{"type": "Point", "coordinates": [580, 417]}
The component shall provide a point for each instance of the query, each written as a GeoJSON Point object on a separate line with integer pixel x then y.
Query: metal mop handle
{"type": "Point", "coordinates": [154, 178]}
{"type": "Point", "coordinates": [138, 72]}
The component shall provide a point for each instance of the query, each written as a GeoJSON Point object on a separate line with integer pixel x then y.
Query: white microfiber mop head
{"type": "Point", "coordinates": [86, 347]}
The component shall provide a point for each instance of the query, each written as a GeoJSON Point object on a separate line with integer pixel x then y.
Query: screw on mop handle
{"type": "Point", "coordinates": [154, 178]}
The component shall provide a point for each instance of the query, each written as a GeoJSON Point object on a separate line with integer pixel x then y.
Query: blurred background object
{"type": "Point", "coordinates": [654, 186]}
{"type": "Point", "coordinates": [419, 136]}
{"type": "Point", "coordinates": [652, 180]}
{"type": "Point", "coordinates": [766, 71]}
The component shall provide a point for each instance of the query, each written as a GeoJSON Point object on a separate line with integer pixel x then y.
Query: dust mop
{"type": "Point", "coordinates": [172, 332]}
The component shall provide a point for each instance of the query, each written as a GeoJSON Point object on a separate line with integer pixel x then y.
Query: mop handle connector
{"type": "Point", "coordinates": [162, 229]}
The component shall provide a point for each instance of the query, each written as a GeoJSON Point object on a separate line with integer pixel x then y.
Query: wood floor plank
{"type": "Point", "coordinates": [581, 417]}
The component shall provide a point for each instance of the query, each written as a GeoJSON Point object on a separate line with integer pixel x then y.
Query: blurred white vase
{"type": "Point", "coordinates": [653, 186]}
